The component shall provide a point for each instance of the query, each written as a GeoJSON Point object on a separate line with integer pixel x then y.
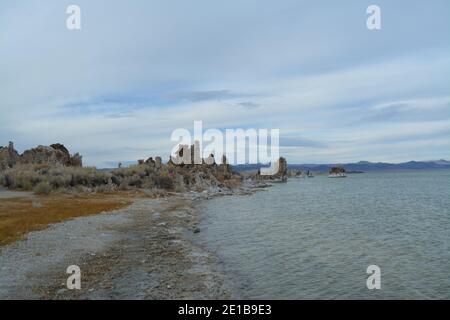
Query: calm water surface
{"type": "Point", "coordinates": [314, 238]}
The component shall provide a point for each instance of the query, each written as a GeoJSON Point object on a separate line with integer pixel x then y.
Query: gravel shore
{"type": "Point", "coordinates": [144, 251]}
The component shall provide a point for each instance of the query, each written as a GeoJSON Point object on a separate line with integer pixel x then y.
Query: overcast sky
{"type": "Point", "coordinates": [137, 70]}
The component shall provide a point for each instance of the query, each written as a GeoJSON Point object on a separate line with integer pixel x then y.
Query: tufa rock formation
{"type": "Point", "coordinates": [150, 162]}
{"type": "Point", "coordinates": [56, 154]}
{"type": "Point", "coordinates": [281, 174]}
{"type": "Point", "coordinates": [202, 173]}
{"type": "Point", "coordinates": [337, 170]}
{"type": "Point", "coordinates": [8, 156]}
{"type": "Point", "coordinates": [158, 162]}
{"type": "Point", "coordinates": [282, 169]}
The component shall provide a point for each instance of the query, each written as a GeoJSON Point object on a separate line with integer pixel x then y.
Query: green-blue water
{"type": "Point", "coordinates": [314, 238]}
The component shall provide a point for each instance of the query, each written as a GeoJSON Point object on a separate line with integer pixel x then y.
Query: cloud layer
{"type": "Point", "coordinates": [116, 89]}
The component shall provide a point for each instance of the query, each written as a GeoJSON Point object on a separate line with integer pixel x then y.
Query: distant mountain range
{"type": "Point", "coordinates": [360, 166]}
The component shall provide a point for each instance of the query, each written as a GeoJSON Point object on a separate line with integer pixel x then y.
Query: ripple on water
{"type": "Point", "coordinates": [314, 238]}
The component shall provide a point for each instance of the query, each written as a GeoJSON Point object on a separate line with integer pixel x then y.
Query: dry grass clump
{"type": "Point", "coordinates": [22, 215]}
{"type": "Point", "coordinates": [42, 188]}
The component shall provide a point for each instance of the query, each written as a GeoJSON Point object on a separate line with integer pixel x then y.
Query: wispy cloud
{"type": "Point", "coordinates": [410, 110]}
{"type": "Point", "coordinates": [301, 142]}
{"type": "Point", "coordinates": [195, 96]}
{"type": "Point", "coordinates": [248, 104]}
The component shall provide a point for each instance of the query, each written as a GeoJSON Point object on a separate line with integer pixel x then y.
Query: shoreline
{"type": "Point", "coordinates": [144, 251]}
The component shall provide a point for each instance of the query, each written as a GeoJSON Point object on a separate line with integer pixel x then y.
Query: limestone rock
{"type": "Point", "coordinates": [282, 169]}
{"type": "Point", "coordinates": [158, 162]}
{"type": "Point", "coordinates": [337, 170]}
{"type": "Point", "coordinates": [56, 154]}
{"type": "Point", "coordinates": [151, 162]}
{"type": "Point", "coordinates": [280, 175]}
{"type": "Point", "coordinates": [8, 156]}
{"type": "Point", "coordinates": [76, 160]}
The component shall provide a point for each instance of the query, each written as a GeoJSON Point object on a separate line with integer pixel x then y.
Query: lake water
{"type": "Point", "coordinates": [313, 238]}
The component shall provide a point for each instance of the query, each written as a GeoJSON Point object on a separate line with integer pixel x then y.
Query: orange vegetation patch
{"type": "Point", "coordinates": [19, 216]}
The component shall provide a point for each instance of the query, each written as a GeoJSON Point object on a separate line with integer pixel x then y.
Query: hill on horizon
{"type": "Point", "coordinates": [359, 166]}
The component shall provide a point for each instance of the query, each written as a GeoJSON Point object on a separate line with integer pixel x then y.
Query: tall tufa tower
{"type": "Point", "coordinates": [11, 147]}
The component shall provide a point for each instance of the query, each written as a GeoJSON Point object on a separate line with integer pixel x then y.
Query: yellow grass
{"type": "Point", "coordinates": [19, 216]}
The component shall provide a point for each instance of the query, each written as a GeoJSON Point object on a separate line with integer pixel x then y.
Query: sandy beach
{"type": "Point", "coordinates": [143, 251]}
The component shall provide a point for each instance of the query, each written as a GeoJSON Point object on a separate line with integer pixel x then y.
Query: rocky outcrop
{"type": "Point", "coordinates": [336, 170]}
{"type": "Point", "coordinates": [280, 175]}
{"type": "Point", "coordinates": [8, 156]}
{"type": "Point", "coordinates": [194, 173]}
{"type": "Point", "coordinates": [151, 162]}
{"type": "Point", "coordinates": [158, 162]}
{"type": "Point", "coordinates": [202, 173]}
{"type": "Point", "coordinates": [76, 160]}
{"type": "Point", "coordinates": [56, 154]}
{"type": "Point", "coordinates": [282, 169]}
{"type": "Point", "coordinates": [225, 168]}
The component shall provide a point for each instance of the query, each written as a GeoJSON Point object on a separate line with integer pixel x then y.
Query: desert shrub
{"type": "Point", "coordinates": [2, 179]}
{"type": "Point", "coordinates": [180, 188]}
{"type": "Point", "coordinates": [141, 171]}
{"type": "Point", "coordinates": [124, 185]}
{"type": "Point", "coordinates": [79, 188]}
{"type": "Point", "coordinates": [60, 181]}
{"type": "Point", "coordinates": [118, 173]}
{"type": "Point", "coordinates": [106, 188]}
{"type": "Point", "coordinates": [79, 177]}
{"type": "Point", "coordinates": [163, 182]}
{"type": "Point", "coordinates": [20, 178]}
{"type": "Point", "coordinates": [98, 178]}
{"type": "Point", "coordinates": [101, 189]}
{"type": "Point", "coordinates": [115, 180]}
{"type": "Point", "coordinates": [87, 177]}
{"type": "Point", "coordinates": [149, 170]}
{"type": "Point", "coordinates": [7, 181]}
{"type": "Point", "coordinates": [25, 185]}
{"type": "Point", "coordinates": [43, 188]}
{"type": "Point", "coordinates": [144, 176]}
{"type": "Point", "coordinates": [41, 166]}
{"type": "Point", "coordinates": [135, 181]}
{"type": "Point", "coordinates": [148, 183]}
